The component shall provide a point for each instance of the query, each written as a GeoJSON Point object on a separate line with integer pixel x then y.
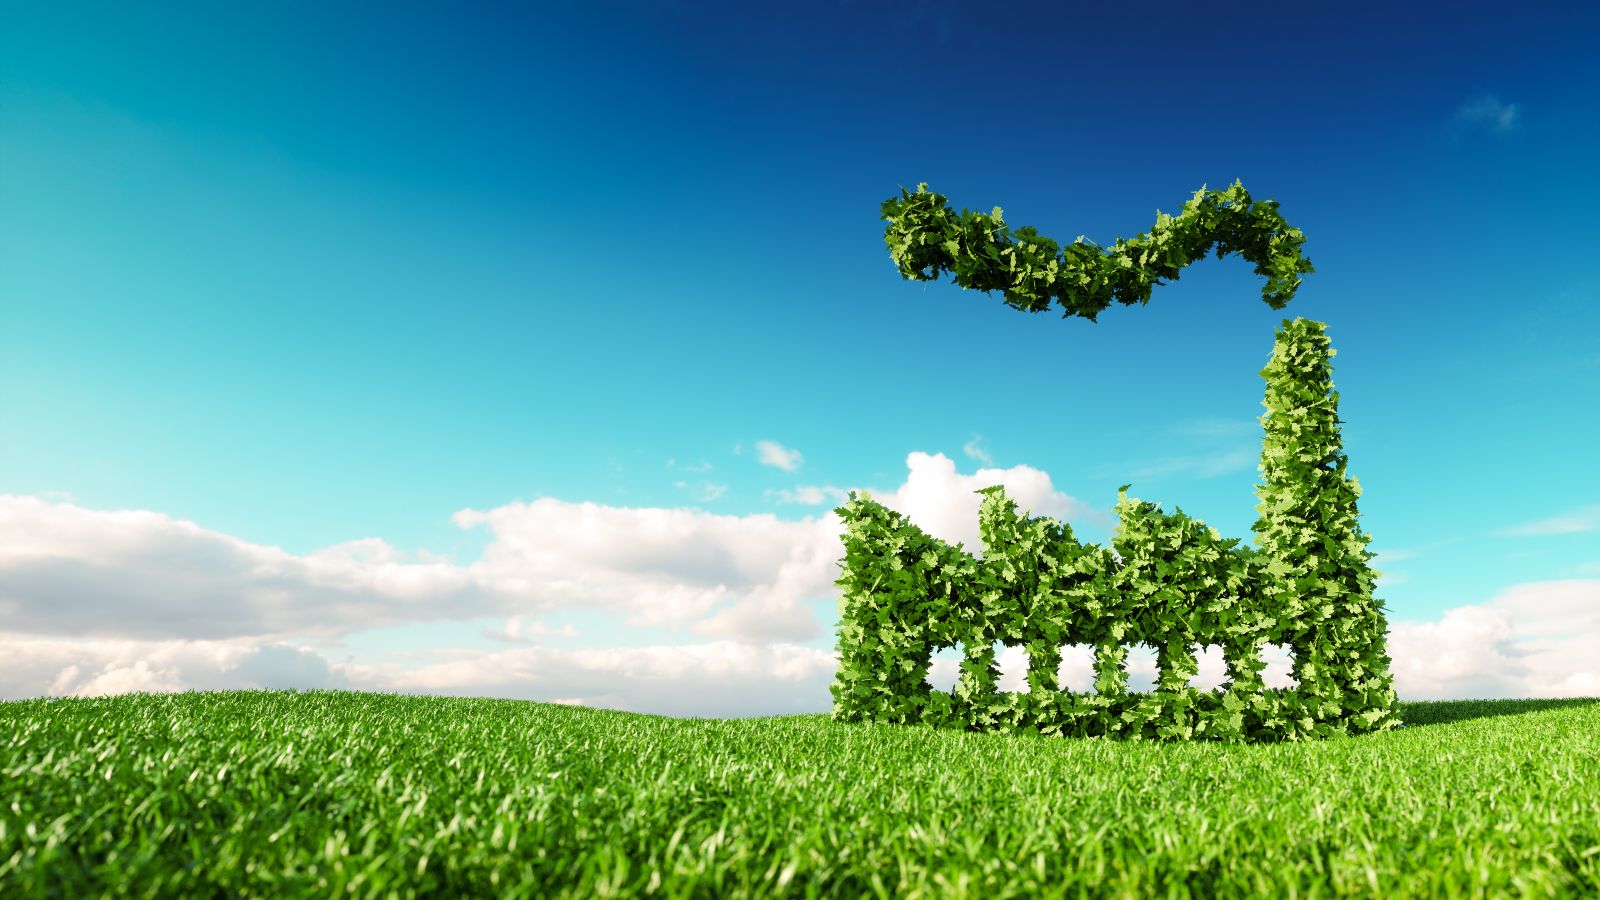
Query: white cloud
{"type": "Point", "coordinates": [137, 574]}
{"type": "Point", "coordinates": [775, 454]}
{"type": "Point", "coordinates": [1501, 117]}
{"type": "Point", "coordinates": [720, 678]}
{"type": "Point", "coordinates": [1467, 654]}
{"type": "Point", "coordinates": [945, 504]}
{"type": "Point", "coordinates": [1540, 639]}
{"type": "Point", "coordinates": [114, 574]}
{"type": "Point", "coordinates": [811, 495]}
{"type": "Point", "coordinates": [523, 628]}
{"type": "Point", "coordinates": [663, 567]}
{"type": "Point", "coordinates": [1553, 608]}
{"type": "Point", "coordinates": [972, 449]}
{"type": "Point", "coordinates": [58, 666]}
{"type": "Point", "coordinates": [1578, 521]}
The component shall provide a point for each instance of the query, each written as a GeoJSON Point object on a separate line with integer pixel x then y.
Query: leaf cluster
{"type": "Point", "coordinates": [927, 239]}
{"type": "Point", "coordinates": [1168, 580]}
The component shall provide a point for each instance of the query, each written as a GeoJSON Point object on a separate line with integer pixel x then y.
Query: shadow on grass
{"type": "Point", "coordinates": [1440, 712]}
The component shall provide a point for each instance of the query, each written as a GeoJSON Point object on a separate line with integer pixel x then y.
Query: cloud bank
{"type": "Point", "coordinates": [1490, 111]}
{"type": "Point", "coordinates": [98, 602]}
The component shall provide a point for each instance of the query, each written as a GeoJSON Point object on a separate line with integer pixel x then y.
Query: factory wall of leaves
{"type": "Point", "coordinates": [1173, 582]}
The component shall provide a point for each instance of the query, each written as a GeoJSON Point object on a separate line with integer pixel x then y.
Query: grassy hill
{"type": "Point", "coordinates": [281, 793]}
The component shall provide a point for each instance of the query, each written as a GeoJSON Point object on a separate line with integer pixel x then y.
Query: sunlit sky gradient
{"type": "Point", "coordinates": [305, 275]}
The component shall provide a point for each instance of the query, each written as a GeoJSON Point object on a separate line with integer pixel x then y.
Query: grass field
{"type": "Point", "coordinates": [276, 794]}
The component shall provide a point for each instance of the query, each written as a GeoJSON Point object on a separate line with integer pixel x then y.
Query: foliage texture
{"type": "Point", "coordinates": [1171, 582]}
{"type": "Point", "coordinates": [1318, 579]}
{"type": "Point", "coordinates": [927, 239]}
{"type": "Point", "coordinates": [341, 794]}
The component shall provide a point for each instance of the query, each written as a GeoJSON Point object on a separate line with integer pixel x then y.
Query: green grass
{"type": "Point", "coordinates": [276, 794]}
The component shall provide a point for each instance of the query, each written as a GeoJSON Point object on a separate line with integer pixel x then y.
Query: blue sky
{"type": "Point", "coordinates": [304, 277]}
